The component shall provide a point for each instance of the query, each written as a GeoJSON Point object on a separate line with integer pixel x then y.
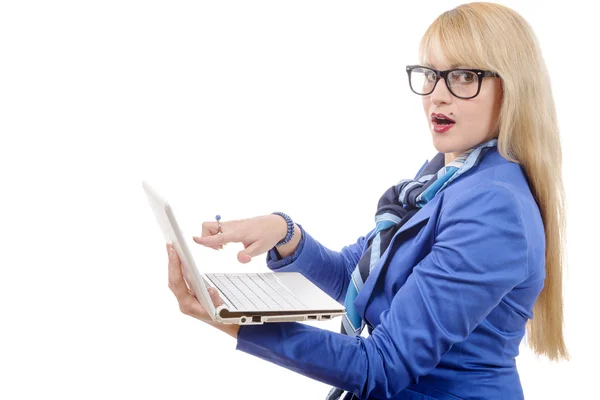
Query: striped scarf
{"type": "Point", "coordinates": [397, 205]}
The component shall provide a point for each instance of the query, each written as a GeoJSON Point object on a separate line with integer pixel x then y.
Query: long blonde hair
{"type": "Point", "coordinates": [496, 38]}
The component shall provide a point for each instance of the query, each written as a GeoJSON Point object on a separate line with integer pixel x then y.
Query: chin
{"type": "Point", "coordinates": [444, 144]}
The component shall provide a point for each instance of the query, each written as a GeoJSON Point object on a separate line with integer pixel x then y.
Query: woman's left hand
{"type": "Point", "coordinates": [188, 303]}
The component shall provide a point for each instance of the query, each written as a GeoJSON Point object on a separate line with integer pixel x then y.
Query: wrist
{"type": "Point", "coordinates": [290, 247]}
{"type": "Point", "coordinates": [230, 329]}
{"type": "Point", "coordinates": [290, 229]}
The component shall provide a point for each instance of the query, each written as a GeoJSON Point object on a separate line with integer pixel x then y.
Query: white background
{"type": "Point", "coordinates": [239, 108]}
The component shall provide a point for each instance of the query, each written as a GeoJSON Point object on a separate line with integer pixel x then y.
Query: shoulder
{"type": "Point", "coordinates": [495, 180]}
{"type": "Point", "coordinates": [495, 200]}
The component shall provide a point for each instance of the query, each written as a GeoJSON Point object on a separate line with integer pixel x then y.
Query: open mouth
{"type": "Point", "coordinates": [441, 121]}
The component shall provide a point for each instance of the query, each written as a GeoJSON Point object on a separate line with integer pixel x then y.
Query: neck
{"type": "Point", "coordinates": [450, 157]}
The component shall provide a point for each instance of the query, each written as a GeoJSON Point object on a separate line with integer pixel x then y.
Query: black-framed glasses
{"type": "Point", "coordinates": [463, 83]}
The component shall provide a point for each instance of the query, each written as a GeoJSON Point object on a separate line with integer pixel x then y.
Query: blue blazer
{"type": "Point", "coordinates": [446, 305]}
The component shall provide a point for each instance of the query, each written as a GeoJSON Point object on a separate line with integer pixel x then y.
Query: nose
{"type": "Point", "coordinates": [441, 94]}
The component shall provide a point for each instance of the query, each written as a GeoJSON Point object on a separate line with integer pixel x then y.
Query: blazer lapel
{"type": "Point", "coordinates": [365, 293]}
{"type": "Point", "coordinates": [491, 159]}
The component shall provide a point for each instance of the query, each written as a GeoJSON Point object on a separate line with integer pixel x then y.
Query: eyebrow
{"type": "Point", "coordinates": [453, 66]}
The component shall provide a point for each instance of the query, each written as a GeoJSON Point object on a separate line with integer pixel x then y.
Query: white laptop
{"type": "Point", "coordinates": [250, 298]}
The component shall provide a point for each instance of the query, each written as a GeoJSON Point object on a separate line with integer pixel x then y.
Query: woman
{"type": "Point", "coordinates": [462, 256]}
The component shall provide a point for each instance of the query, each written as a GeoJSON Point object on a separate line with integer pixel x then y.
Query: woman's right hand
{"type": "Point", "coordinates": [257, 234]}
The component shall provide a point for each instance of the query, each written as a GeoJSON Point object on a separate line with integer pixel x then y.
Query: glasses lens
{"type": "Point", "coordinates": [463, 83]}
{"type": "Point", "coordinates": [422, 80]}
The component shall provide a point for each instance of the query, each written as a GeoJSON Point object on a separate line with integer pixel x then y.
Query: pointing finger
{"type": "Point", "coordinates": [199, 240]}
{"type": "Point", "coordinates": [216, 240]}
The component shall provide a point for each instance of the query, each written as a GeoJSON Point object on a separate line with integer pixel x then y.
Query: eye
{"type": "Point", "coordinates": [463, 77]}
{"type": "Point", "coordinates": [429, 75]}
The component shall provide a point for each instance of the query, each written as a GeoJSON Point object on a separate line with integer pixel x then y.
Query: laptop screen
{"type": "Point", "coordinates": [172, 234]}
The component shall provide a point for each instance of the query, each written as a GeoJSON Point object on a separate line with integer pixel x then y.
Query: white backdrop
{"type": "Point", "coordinates": [239, 108]}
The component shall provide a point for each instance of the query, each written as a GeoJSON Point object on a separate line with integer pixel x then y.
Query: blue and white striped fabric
{"type": "Point", "coordinates": [397, 205]}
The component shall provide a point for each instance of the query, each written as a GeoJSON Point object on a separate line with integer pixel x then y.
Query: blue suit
{"type": "Point", "coordinates": [446, 305]}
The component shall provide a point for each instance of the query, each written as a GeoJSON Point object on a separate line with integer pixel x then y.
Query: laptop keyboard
{"type": "Point", "coordinates": [252, 291]}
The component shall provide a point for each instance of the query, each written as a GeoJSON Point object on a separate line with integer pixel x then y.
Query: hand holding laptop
{"type": "Point", "coordinates": [188, 303]}
{"type": "Point", "coordinates": [257, 234]}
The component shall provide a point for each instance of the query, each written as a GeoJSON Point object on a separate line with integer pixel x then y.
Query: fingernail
{"type": "Point", "coordinates": [211, 291]}
{"type": "Point", "coordinates": [196, 238]}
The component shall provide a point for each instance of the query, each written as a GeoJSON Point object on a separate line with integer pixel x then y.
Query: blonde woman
{"type": "Point", "coordinates": [462, 258]}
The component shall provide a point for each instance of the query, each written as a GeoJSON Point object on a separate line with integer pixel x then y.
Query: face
{"type": "Point", "coordinates": [474, 118]}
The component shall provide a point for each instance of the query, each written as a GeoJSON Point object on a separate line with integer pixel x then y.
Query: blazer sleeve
{"type": "Point", "coordinates": [479, 254]}
{"type": "Point", "coordinates": [328, 269]}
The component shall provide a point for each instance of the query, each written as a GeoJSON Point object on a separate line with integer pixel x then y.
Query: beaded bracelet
{"type": "Point", "coordinates": [290, 228]}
